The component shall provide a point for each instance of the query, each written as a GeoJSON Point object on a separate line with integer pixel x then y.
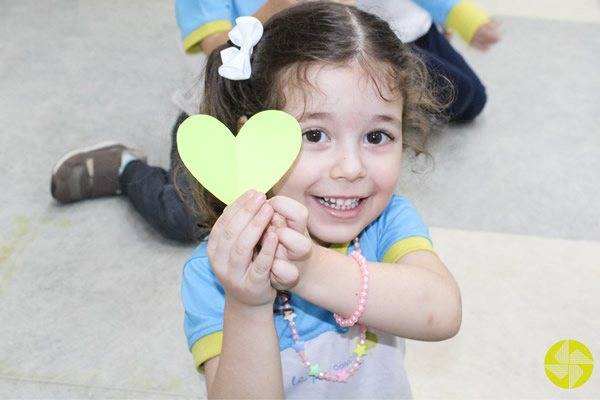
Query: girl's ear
{"type": "Point", "coordinates": [241, 121]}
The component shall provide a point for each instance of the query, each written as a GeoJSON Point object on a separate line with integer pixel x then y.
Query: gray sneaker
{"type": "Point", "coordinates": [89, 172]}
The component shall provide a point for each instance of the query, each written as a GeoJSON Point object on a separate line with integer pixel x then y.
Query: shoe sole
{"type": "Point", "coordinates": [88, 149]}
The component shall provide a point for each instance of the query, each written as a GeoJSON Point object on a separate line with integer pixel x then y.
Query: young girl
{"type": "Point", "coordinates": [272, 298]}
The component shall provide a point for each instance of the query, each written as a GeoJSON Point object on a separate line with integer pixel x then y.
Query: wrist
{"type": "Point", "coordinates": [249, 311]}
{"type": "Point", "coordinates": [306, 268]}
{"type": "Point", "coordinates": [465, 18]}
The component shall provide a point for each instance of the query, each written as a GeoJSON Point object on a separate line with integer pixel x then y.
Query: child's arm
{"type": "Point", "coordinates": [264, 12]}
{"type": "Point", "coordinates": [416, 298]}
{"type": "Point", "coordinates": [209, 34]}
{"type": "Point", "coordinates": [486, 36]}
{"type": "Point", "coordinates": [205, 25]}
{"type": "Point", "coordinates": [249, 365]}
{"type": "Point", "coordinates": [473, 24]}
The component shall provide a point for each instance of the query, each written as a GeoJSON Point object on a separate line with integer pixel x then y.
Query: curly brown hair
{"type": "Point", "coordinates": [294, 39]}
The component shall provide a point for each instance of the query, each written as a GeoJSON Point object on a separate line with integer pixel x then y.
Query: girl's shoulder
{"type": "Point", "coordinates": [400, 214]}
{"type": "Point", "coordinates": [399, 221]}
{"type": "Point", "coordinates": [399, 205]}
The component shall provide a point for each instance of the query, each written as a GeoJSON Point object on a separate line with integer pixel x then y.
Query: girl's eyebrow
{"type": "Point", "coordinates": [314, 115]}
{"type": "Point", "coordinates": [376, 118]}
{"type": "Point", "coordinates": [388, 118]}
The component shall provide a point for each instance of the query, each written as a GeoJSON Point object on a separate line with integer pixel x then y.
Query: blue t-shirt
{"type": "Point", "coordinates": [398, 231]}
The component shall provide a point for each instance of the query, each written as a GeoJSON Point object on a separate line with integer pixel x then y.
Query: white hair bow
{"type": "Point", "coordinates": [236, 62]}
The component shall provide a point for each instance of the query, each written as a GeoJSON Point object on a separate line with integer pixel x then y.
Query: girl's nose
{"type": "Point", "coordinates": [348, 165]}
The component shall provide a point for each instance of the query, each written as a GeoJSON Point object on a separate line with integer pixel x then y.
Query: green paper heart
{"type": "Point", "coordinates": [227, 165]}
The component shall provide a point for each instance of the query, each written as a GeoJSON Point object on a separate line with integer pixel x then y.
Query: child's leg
{"type": "Point", "coordinates": [111, 168]}
{"type": "Point", "coordinates": [443, 60]}
{"type": "Point", "coordinates": [154, 196]}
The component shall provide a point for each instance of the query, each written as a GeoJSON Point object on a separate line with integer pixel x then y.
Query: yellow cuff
{"type": "Point", "coordinates": [191, 43]}
{"type": "Point", "coordinates": [405, 246]}
{"type": "Point", "coordinates": [465, 18]}
{"type": "Point", "coordinates": [206, 348]}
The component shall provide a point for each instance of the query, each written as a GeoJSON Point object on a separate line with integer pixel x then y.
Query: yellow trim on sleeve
{"type": "Point", "coordinates": [191, 43]}
{"type": "Point", "coordinates": [206, 348]}
{"type": "Point", "coordinates": [465, 18]}
{"type": "Point", "coordinates": [405, 246]}
{"type": "Point", "coordinates": [340, 247]}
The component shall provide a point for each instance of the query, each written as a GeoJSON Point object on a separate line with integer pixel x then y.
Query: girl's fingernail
{"type": "Point", "coordinates": [259, 197]}
{"type": "Point", "coordinates": [265, 209]}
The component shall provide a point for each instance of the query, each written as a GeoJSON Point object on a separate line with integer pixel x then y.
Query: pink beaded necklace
{"type": "Point", "coordinates": [361, 347]}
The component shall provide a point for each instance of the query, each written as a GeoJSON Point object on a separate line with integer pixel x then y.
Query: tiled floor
{"type": "Point", "coordinates": [521, 294]}
{"type": "Point", "coordinates": [89, 294]}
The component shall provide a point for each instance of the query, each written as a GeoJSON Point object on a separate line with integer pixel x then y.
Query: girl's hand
{"type": "Point", "coordinates": [486, 36]}
{"type": "Point", "coordinates": [295, 245]}
{"type": "Point", "coordinates": [231, 250]}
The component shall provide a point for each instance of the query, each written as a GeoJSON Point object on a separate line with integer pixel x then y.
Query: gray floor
{"type": "Point", "coordinates": [531, 163]}
{"type": "Point", "coordinates": [89, 294]}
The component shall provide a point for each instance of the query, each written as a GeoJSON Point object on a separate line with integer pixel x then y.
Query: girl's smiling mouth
{"type": "Point", "coordinates": [341, 207]}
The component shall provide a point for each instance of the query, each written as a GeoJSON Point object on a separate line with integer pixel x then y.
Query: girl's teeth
{"type": "Point", "coordinates": [339, 204]}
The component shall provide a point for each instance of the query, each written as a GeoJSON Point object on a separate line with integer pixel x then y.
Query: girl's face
{"type": "Point", "coordinates": [349, 164]}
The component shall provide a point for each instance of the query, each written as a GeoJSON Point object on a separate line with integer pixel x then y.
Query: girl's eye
{"type": "Point", "coordinates": [315, 136]}
{"type": "Point", "coordinates": [377, 137]}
